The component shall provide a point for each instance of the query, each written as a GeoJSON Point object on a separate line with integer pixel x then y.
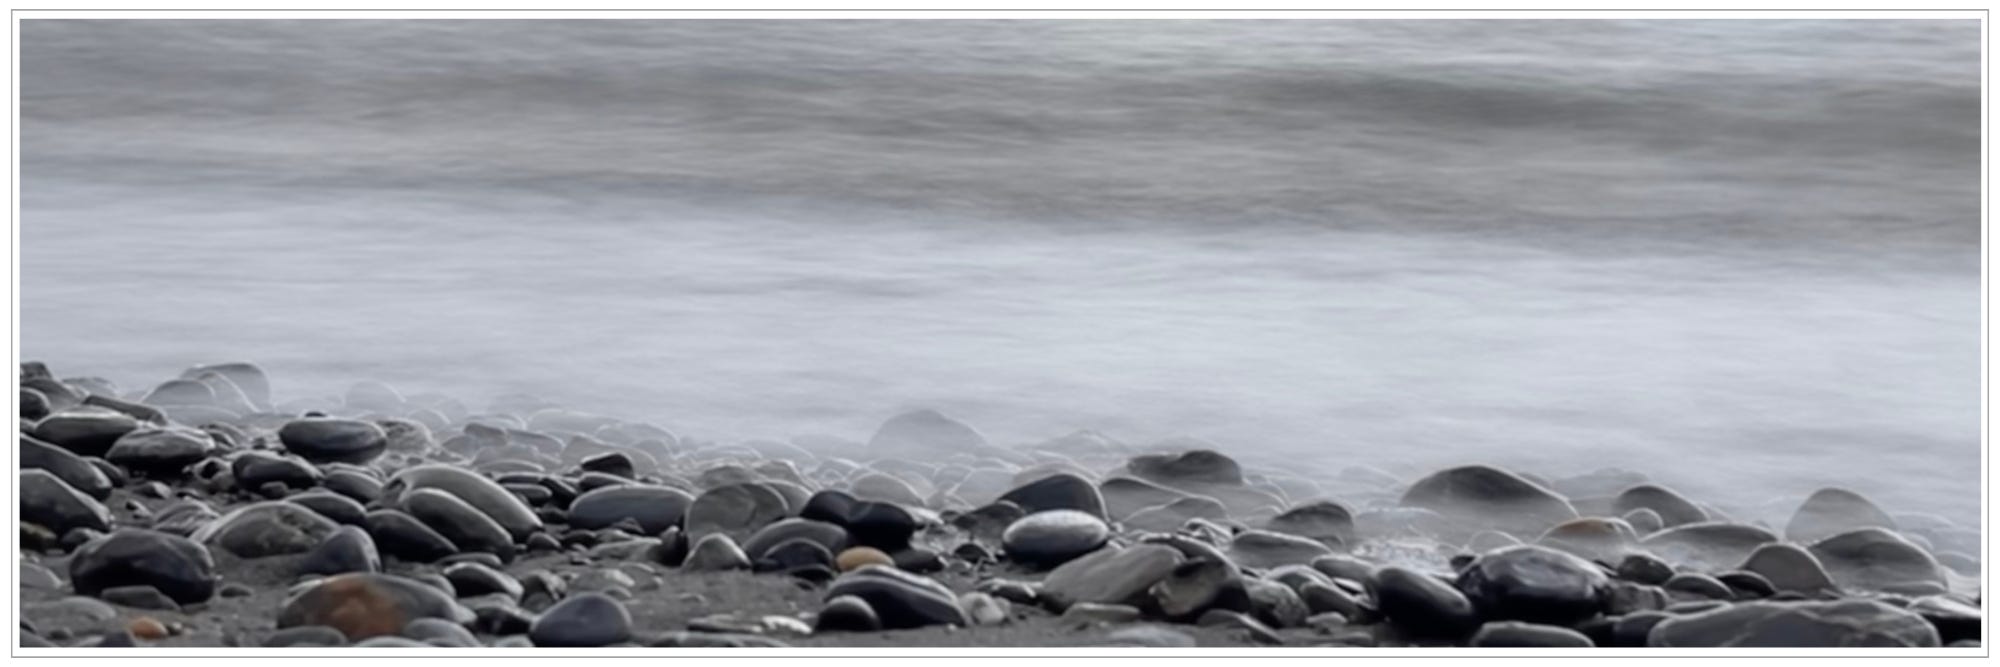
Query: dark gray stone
{"type": "Point", "coordinates": [900, 599]}
{"type": "Point", "coordinates": [347, 549]}
{"type": "Point", "coordinates": [402, 536]}
{"type": "Point", "coordinates": [656, 508]}
{"type": "Point", "coordinates": [1515, 634]}
{"type": "Point", "coordinates": [176, 566]}
{"type": "Point", "coordinates": [48, 501]}
{"type": "Point", "coordinates": [468, 528]}
{"type": "Point", "coordinates": [1051, 538]}
{"type": "Point", "coordinates": [271, 528]}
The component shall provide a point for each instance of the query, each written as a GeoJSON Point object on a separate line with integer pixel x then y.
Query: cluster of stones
{"type": "Point", "coordinates": [413, 521]}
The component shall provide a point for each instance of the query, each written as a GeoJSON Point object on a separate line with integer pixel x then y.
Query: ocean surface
{"type": "Point", "coordinates": [1741, 257]}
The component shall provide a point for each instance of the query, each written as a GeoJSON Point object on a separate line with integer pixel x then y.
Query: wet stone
{"type": "Point", "coordinates": [402, 536]}
{"type": "Point", "coordinates": [1699, 585]}
{"type": "Point", "coordinates": [1876, 559]}
{"type": "Point", "coordinates": [1490, 497]}
{"type": "Point", "coordinates": [735, 510]}
{"type": "Point", "coordinates": [1062, 491]}
{"type": "Point", "coordinates": [1515, 634]}
{"type": "Point", "coordinates": [271, 528]}
{"type": "Point", "coordinates": [1048, 539]}
{"type": "Point", "coordinates": [1672, 508]}
{"type": "Point", "coordinates": [473, 579]}
{"type": "Point", "coordinates": [468, 528]}
{"type": "Point", "coordinates": [84, 431]}
{"type": "Point", "coordinates": [340, 509]}
{"type": "Point", "coordinates": [363, 605]}
{"type": "Point", "coordinates": [1829, 512]}
{"type": "Point", "coordinates": [440, 632]}
{"type": "Point", "coordinates": [481, 493]}
{"type": "Point", "coordinates": [1536, 584]}
{"type": "Point", "coordinates": [1712, 546]}
{"type": "Point", "coordinates": [655, 508]}
{"type": "Point", "coordinates": [48, 501]}
{"type": "Point", "coordinates": [1420, 605]}
{"type": "Point", "coordinates": [1264, 549]}
{"type": "Point", "coordinates": [900, 599]}
{"type": "Point", "coordinates": [830, 536]}
{"type": "Point", "coordinates": [588, 619]}
{"type": "Point", "coordinates": [1844, 623]}
{"type": "Point", "coordinates": [1118, 576]}
{"type": "Point", "coordinates": [715, 552]}
{"type": "Point", "coordinates": [138, 597]}
{"type": "Point", "coordinates": [1196, 585]}
{"type": "Point", "coordinates": [347, 549]}
{"type": "Point", "coordinates": [304, 636]}
{"type": "Point", "coordinates": [176, 566]}
{"type": "Point", "coordinates": [70, 468]}
{"type": "Point", "coordinates": [1200, 466]}
{"type": "Point", "coordinates": [1323, 521]}
{"type": "Point", "coordinates": [160, 451]}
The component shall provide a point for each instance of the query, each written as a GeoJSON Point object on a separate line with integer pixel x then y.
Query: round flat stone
{"type": "Point", "coordinates": [1048, 539]}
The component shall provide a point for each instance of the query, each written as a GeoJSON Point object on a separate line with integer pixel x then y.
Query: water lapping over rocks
{"type": "Point", "coordinates": [198, 512]}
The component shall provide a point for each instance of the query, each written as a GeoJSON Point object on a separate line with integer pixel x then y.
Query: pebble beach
{"type": "Point", "coordinates": [205, 511]}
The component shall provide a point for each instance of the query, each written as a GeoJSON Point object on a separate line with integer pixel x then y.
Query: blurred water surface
{"type": "Point", "coordinates": [1740, 256]}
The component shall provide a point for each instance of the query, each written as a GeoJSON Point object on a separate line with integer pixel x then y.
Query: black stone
{"type": "Point", "coordinates": [177, 566]}
{"type": "Point", "coordinates": [402, 536]}
{"type": "Point", "coordinates": [846, 613]}
{"type": "Point", "coordinates": [70, 468]}
{"type": "Point", "coordinates": [1420, 605]}
{"type": "Point", "coordinates": [1535, 584]}
{"type": "Point", "coordinates": [1061, 491]}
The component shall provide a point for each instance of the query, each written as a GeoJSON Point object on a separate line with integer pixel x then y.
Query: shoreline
{"type": "Point", "coordinates": [531, 524]}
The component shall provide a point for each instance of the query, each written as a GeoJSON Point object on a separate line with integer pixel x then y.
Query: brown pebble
{"type": "Point", "coordinates": [856, 557]}
{"type": "Point", "coordinates": [144, 627]}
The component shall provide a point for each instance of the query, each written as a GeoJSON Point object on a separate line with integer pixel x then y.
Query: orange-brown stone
{"type": "Point", "coordinates": [144, 627]}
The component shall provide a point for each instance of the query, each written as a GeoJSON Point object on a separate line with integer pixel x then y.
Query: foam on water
{"type": "Point", "coordinates": [1739, 257]}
